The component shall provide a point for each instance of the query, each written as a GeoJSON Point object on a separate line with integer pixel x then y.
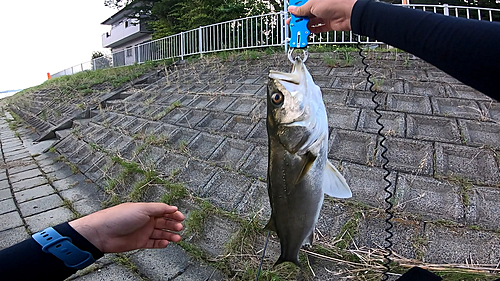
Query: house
{"type": "Point", "coordinates": [126, 33]}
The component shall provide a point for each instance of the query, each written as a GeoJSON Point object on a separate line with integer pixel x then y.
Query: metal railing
{"type": "Point", "coordinates": [251, 32]}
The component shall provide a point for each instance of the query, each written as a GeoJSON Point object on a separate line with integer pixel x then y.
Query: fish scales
{"type": "Point", "coordinates": [299, 173]}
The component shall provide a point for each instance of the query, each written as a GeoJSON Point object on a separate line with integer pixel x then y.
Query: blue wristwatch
{"type": "Point", "coordinates": [63, 248]}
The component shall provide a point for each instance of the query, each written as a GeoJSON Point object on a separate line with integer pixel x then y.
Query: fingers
{"type": "Point", "coordinates": [156, 209]}
{"type": "Point", "coordinates": [165, 235]}
{"type": "Point", "coordinates": [156, 244]}
{"type": "Point", "coordinates": [162, 223]}
{"type": "Point", "coordinates": [304, 10]}
{"type": "Point", "coordinates": [178, 216]}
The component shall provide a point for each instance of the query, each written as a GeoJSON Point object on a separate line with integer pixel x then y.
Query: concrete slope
{"type": "Point", "coordinates": [197, 138]}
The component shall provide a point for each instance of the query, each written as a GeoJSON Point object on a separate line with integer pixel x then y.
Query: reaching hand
{"type": "Point", "coordinates": [131, 226]}
{"type": "Point", "coordinates": [325, 15]}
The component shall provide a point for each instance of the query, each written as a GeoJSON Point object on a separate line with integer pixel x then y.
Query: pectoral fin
{"type": "Point", "coordinates": [305, 165]}
{"type": "Point", "coordinates": [334, 184]}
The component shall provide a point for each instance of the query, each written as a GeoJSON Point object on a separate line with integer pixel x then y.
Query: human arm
{"type": "Point", "coordinates": [121, 228]}
{"type": "Point", "coordinates": [465, 49]}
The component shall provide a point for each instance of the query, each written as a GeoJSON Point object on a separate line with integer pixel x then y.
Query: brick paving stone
{"type": "Point", "coordinates": [195, 175]}
{"type": "Point", "coordinates": [334, 96]}
{"type": "Point", "coordinates": [256, 202]}
{"type": "Point", "coordinates": [427, 197]}
{"type": "Point", "coordinates": [216, 233]}
{"type": "Point", "coordinates": [259, 133]}
{"type": "Point", "coordinates": [394, 123]}
{"type": "Point", "coordinates": [33, 193]}
{"type": "Point", "coordinates": [220, 103]}
{"type": "Point", "coordinates": [148, 128]}
{"type": "Point", "coordinates": [229, 88]}
{"type": "Point", "coordinates": [348, 83]}
{"type": "Point", "coordinates": [13, 149]}
{"type": "Point", "coordinates": [49, 218]}
{"type": "Point", "coordinates": [174, 115]}
{"type": "Point", "coordinates": [371, 235]}
{"type": "Point", "coordinates": [467, 162]}
{"type": "Point", "coordinates": [213, 121]}
{"type": "Point", "coordinates": [5, 194]}
{"type": "Point", "coordinates": [4, 184]}
{"type": "Point", "coordinates": [342, 117]}
{"type": "Point", "coordinates": [87, 206]}
{"type": "Point", "coordinates": [150, 155]}
{"type": "Point", "coordinates": [239, 126]}
{"type": "Point", "coordinates": [117, 144]}
{"type": "Point", "coordinates": [256, 164]}
{"type": "Point", "coordinates": [409, 156]}
{"type": "Point", "coordinates": [182, 137]}
{"type": "Point", "coordinates": [332, 217]}
{"type": "Point", "coordinates": [22, 167]}
{"type": "Point", "coordinates": [7, 205]}
{"type": "Point", "coordinates": [200, 272]}
{"type": "Point", "coordinates": [480, 133]}
{"type": "Point", "coordinates": [456, 108]}
{"type": "Point", "coordinates": [19, 156]}
{"type": "Point", "coordinates": [133, 125]}
{"type": "Point", "coordinates": [366, 183]}
{"type": "Point", "coordinates": [3, 174]}
{"type": "Point", "coordinates": [79, 154]}
{"type": "Point", "coordinates": [352, 146]}
{"type": "Point", "coordinates": [462, 91]}
{"type": "Point", "coordinates": [204, 145]}
{"type": "Point", "coordinates": [247, 89]}
{"type": "Point", "coordinates": [28, 183]}
{"type": "Point", "coordinates": [490, 110]}
{"type": "Point", "coordinates": [260, 111]}
{"type": "Point", "coordinates": [191, 118]}
{"type": "Point", "coordinates": [12, 236]}
{"type": "Point", "coordinates": [10, 220]}
{"type": "Point", "coordinates": [59, 167]}
{"type": "Point", "coordinates": [231, 153]}
{"type": "Point", "coordinates": [72, 181]}
{"type": "Point", "coordinates": [226, 189]}
{"type": "Point", "coordinates": [85, 164]}
{"type": "Point", "coordinates": [484, 207]}
{"type": "Point", "coordinates": [460, 245]}
{"type": "Point", "coordinates": [112, 272]}
{"type": "Point", "coordinates": [68, 145]}
{"type": "Point", "coordinates": [40, 205]}
{"type": "Point", "coordinates": [242, 106]}
{"type": "Point", "coordinates": [409, 103]}
{"type": "Point", "coordinates": [11, 145]}
{"type": "Point", "coordinates": [171, 163]}
{"type": "Point", "coordinates": [363, 99]}
{"type": "Point", "coordinates": [162, 264]}
{"type": "Point", "coordinates": [432, 128]}
{"type": "Point", "coordinates": [201, 101]}
{"type": "Point", "coordinates": [432, 89]}
{"type": "Point", "coordinates": [97, 171]}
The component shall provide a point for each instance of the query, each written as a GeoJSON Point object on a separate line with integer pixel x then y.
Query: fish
{"type": "Point", "coordinates": [299, 173]}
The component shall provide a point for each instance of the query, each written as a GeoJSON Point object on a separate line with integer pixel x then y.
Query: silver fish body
{"type": "Point", "coordinates": [299, 173]}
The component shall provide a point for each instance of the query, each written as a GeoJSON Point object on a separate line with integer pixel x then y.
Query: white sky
{"type": "Point", "coordinates": [47, 36]}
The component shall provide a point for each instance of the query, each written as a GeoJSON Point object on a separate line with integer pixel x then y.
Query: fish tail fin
{"type": "Point", "coordinates": [283, 259]}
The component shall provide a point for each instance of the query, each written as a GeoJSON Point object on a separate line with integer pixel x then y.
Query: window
{"type": "Point", "coordinates": [129, 52]}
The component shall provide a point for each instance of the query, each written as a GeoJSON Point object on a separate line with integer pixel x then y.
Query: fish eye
{"type": "Point", "coordinates": [277, 98]}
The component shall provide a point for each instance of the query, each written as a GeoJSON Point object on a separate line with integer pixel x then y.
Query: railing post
{"type": "Point", "coordinates": [285, 16]}
{"type": "Point", "coordinates": [182, 45]}
{"type": "Point", "coordinates": [200, 42]}
{"type": "Point", "coordinates": [446, 10]}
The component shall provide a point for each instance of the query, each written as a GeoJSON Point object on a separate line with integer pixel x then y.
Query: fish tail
{"type": "Point", "coordinates": [283, 259]}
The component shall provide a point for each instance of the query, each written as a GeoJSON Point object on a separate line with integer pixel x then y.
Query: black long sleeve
{"type": "Point", "coordinates": [465, 49]}
{"type": "Point", "coordinates": [27, 261]}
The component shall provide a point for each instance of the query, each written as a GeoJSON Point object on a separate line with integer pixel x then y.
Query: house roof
{"type": "Point", "coordinates": [121, 14]}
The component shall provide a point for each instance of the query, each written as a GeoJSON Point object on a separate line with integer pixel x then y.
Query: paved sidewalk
{"type": "Point", "coordinates": [38, 191]}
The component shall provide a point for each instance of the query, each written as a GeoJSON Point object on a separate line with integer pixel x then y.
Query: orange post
{"type": "Point", "coordinates": [48, 76]}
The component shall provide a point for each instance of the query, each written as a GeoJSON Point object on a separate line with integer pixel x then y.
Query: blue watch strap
{"type": "Point", "coordinates": [62, 247]}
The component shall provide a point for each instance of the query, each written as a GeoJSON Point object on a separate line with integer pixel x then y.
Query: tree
{"type": "Point", "coordinates": [167, 17]}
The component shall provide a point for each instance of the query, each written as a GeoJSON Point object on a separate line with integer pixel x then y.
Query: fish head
{"type": "Point", "coordinates": [295, 109]}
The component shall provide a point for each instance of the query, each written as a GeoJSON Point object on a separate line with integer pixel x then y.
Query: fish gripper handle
{"type": "Point", "coordinates": [298, 27]}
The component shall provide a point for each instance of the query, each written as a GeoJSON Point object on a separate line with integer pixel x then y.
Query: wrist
{"type": "Point", "coordinates": [88, 232]}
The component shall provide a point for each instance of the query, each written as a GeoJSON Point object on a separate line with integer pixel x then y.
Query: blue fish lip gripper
{"type": "Point", "coordinates": [299, 32]}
